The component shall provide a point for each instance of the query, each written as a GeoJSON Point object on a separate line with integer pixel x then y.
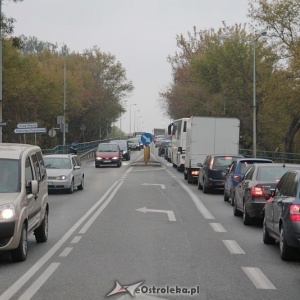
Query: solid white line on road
{"type": "Point", "coordinates": [258, 278]}
{"type": "Point", "coordinates": [217, 227]}
{"type": "Point", "coordinates": [99, 211]}
{"type": "Point", "coordinates": [170, 213]}
{"type": "Point", "coordinates": [200, 206]}
{"type": "Point", "coordinates": [14, 288]}
{"type": "Point", "coordinates": [76, 239]}
{"type": "Point", "coordinates": [233, 247]}
{"type": "Point", "coordinates": [28, 294]}
{"type": "Point", "coordinates": [66, 252]}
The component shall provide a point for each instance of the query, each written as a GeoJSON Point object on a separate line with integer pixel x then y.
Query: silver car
{"type": "Point", "coordinates": [64, 172]}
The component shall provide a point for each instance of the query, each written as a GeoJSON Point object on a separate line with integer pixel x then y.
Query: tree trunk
{"type": "Point", "coordinates": [289, 137]}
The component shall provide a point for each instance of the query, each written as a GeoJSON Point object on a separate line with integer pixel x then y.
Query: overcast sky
{"type": "Point", "coordinates": [140, 33]}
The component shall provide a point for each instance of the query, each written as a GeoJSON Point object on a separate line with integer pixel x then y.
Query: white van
{"type": "Point", "coordinates": [24, 204]}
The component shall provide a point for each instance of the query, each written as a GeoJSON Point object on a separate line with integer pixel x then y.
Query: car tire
{"type": "Point", "coordinates": [226, 198]}
{"type": "Point", "coordinates": [267, 239]}
{"type": "Point", "coordinates": [286, 252]}
{"type": "Point", "coordinates": [41, 233]}
{"type": "Point", "coordinates": [81, 186]}
{"type": "Point", "coordinates": [20, 253]}
{"type": "Point", "coordinates": [246, 217]}
{"type": "Point", "coordinates": [71, 189]}
{"type": "Point", "coordinates": [205, 188]}
{"type": "Point", "coordinates": [236, 212]}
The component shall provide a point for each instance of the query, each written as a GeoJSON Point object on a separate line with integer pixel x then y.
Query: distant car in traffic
{"type": "Point", "coordinates": [236, 170]}
{"type": "Point", "coordinates": [211, 173]}
{"type": "Point", "coordinates": [134, 144]}
{"type": "Point", "coordinates": [124, 148]}
{"type": "Point", "coordinates": [281, 215]}
{"type": "Point", "coordinates": [158, 140]}
{"type": "Point", "coordinates": [249, 199]}
{"type": "Point", "coordinates": [108, 154]}
{"type": "Point", "coordinates": [64, 171]}
{"type": "Point", "coordinates": [162, 148]}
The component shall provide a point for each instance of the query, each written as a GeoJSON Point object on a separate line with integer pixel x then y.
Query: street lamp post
{"type": "Point", "coordinates": [130, 117]}
{"type": "Point", "coordinates": [64, 105]}
{"type": "Point", "coordinates": [134, 120]}
{"type": "Point", "coordinates": [263, 33]}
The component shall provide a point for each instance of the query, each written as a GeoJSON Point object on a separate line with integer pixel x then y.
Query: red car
{"type": "Point", "coordinates": [108, 154]}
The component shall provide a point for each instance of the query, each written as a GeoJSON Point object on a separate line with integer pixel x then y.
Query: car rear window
{"type": "Point", "coordinates": [223, 161]}
{"type": "Point", "coordinates": [245, 165]}
{"type": "Point", "coordinates": [266, 173]}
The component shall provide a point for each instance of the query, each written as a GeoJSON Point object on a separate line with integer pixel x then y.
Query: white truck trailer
{"type": "Point", "coordinates": [209, 135]}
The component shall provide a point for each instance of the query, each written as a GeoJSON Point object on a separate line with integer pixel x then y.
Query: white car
{"type": "Point", "coordinates": [64, 172]}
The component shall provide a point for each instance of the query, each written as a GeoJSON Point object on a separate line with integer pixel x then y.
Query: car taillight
{"type": "Point", "coordinates": [256, 191]}
{"type": "Point", "coordinates": [295, 212]}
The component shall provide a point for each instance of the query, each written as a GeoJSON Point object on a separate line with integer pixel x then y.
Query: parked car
{"type": "Point", "coordinates": [108, 154]}
{"type": "Point", "coordinates": [211, 173]}
{"type": "Point", "coordinates": [65, 172]}
{"type": "Point", "coordinates": [281, 215]}
{"type": "Point", "coordinates": [249, 199]}
{"type": "Point", "coordinates": [134, 144]}
{"type": "Point", "coordinates": [162, 148]}
{"type": "Point", "coordinates": [24, 204]}
{"type": "Point", "coordinates": [237, 169]}
{"type": "Point", "coordinates": [124, 148]}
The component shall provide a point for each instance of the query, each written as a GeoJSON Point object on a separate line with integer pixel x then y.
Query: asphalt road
{"type": "Point", "coordinates": [145, 225]}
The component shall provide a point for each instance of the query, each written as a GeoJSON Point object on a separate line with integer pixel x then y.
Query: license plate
{"type": "Point", "coordinates": [107, 161]}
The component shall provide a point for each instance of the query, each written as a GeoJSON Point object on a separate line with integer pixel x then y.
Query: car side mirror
{"type": "Point", "coordinates": [32, 187]}
{"type": "Point", "coordinates": [200, 165]}
{"type": "Point", "coordinates": [180, 150]}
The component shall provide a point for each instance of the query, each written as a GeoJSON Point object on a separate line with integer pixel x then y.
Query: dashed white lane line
{"type": "Point", "coordinates": [217, 227]}
{"type": "Point", "coordinates": [233, 247]}
{"type": "Point", "coordinates": [76, 239]}
{"type": "Point", "coordinates": [39, 282]}
{"type": "Point", "coordinates": [258, 278]}
{"type": "Point", "coordinates": [66, 252]}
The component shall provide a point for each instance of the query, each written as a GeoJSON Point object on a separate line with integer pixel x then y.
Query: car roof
{"type": "Point", "coordinates": [276, 165]}
{"type": "Point", "coordinates": [253, 159]}
{"type": "Point", "coordinates": [227, 154]}
{"type": "Point", "coordinates": [13, 150]}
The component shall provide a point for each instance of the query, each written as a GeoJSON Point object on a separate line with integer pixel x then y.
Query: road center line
{"type": "Point", "coordinates": [39, 282]}
{"type": "Point", "coordinates": [258, 278]}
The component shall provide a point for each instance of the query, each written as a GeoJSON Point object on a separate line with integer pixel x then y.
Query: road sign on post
{"type": "Point", "coordinates": [146, 138]}
{"type": "Point", "coordinates": [30, 130]}
{"type": "Point", "coordinates": [27, 125]}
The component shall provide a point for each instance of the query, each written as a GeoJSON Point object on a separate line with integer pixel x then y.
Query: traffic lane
{"type": "Point", "coordinates": [126, 245]}
{"type": "Point", "coordinates": [266, 257]}
{"type": "Point", "coordinates": [65, 210]}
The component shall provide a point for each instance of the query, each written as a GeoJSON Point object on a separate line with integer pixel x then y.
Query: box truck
{"type": "Point", "coordinates": [208, 135]}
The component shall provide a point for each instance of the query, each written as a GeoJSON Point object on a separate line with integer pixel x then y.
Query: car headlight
{"type": "Point", "coordinates": [125, 151]}
{"type": "Point", "coordinates": [61, 177]}
{"type": "Point", "coordinates": [7, 212]}
{"type": "Point", "coordinates": [115, 157]}
{"type": "Point", "coordinates": [99, 158]}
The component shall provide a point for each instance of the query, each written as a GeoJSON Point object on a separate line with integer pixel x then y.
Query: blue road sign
{"type": "Point", "coordinates": [146, 138]}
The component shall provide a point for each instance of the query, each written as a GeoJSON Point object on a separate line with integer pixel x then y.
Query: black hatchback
{"type": "Point", "coordinates": [212, 171]}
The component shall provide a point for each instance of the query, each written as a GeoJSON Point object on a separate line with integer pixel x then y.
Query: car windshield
{"type": "Point", "coordinates": [133, 141]}
{"type": "Point", "coordinates": [9, 176]}
{"type": "Point", "coordinates": [57, 163]}
{"type": "Point", "coordinates": [107, 148]}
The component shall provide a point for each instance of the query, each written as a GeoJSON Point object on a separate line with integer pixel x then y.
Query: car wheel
{"type": "Point", "coordinates": [236, 212]}
{"type": "Point", "coordinates": [286, 252]}
{"type": "Point", "coordinates": [226, 198]}
{"type": "Point", "coordinates": [41, 233]}
{"type": "Point", "coordinates": [246, 218]}
{"type": "Point", "coordinates": [81, 186]}
{"type": "Point", "coordinates": [20, 254]}
{"type": "Point", "coordinates": [174, 166]}
{"type": "Point", "coordinates": [266, 237]}
{"type": "Point", "coordinates": [205, 188]}
{"type": "Point", "coordinates": [71, 189]}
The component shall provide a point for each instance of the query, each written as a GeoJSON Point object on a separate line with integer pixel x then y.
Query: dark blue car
{"type": "Point", "coordinates": [237, 170]}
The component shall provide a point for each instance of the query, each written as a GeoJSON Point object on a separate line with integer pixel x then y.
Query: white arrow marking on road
{"type": "Point", "coordinates": [170, 213]}
{"type": "Point", "coordinates": [161, 185]}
